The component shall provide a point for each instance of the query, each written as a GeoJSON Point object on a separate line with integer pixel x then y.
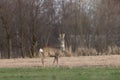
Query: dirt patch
{"type": "Point", "coordinates": [112, 60]}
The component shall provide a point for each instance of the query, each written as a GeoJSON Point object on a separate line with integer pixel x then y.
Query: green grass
{"type": "Point", "coordinates": [88, 73]}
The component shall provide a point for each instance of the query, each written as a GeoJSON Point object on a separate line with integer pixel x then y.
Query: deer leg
{"type": "Point", "coordinates": [42, 59]}
{"type": "Point", "coordinates": [55, 60]}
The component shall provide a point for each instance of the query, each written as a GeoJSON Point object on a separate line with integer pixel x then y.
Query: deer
{"type": "Point", "coordinates": [50, 52]}
{"type": "Point", "coordinates": [54, 52]}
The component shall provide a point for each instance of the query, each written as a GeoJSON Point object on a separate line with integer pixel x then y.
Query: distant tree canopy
{"type": "Point", "coordinates": [27, 25]}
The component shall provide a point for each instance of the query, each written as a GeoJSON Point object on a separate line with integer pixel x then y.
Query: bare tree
{"type": "Point", "coordinates": [6, 18]}
{"type": "Point", "coordinates": [20, 7]}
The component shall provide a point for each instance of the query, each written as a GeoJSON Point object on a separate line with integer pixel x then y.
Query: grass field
{"type": "Point", "coordinates": [88, 73]}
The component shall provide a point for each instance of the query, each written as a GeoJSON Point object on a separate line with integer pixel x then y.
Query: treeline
{"type": "Point", "coordinates": [27, 25]}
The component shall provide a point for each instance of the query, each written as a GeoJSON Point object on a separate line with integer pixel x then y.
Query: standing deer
{"type": "Point", "coordinates": [54, 52]}
{"type": "Point", "coordinates": [50, 52]}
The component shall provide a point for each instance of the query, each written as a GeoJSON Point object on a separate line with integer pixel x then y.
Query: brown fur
{"type": "Point", "coordinates": [53, 52]}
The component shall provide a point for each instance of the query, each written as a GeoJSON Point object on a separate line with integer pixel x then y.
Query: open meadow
{"type": "Point", "coordinates": [70, 68]}
{"type": "Point", "coordinates": [82, 38]}
{"type": "Point", "coordinates": [87, 73]}
{"type": "Point", "coordinates": [82, 61]}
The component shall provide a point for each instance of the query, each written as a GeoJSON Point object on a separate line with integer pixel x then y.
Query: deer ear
{"type": "Point", "coordinates": [63, 35]}
{"type": "Point", "coordinates": [60, 35]}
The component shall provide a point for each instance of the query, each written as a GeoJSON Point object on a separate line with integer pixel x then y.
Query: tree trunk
{"type": "Point", "coordinates": [21, 22]}
{"type": "Point", "coordinates": [33, 46]}
{"type": "Point", "coordinates": [22, 45]}
{"type": "Point", "coordinates": [9, 45]}
{"type": "Point", "coordinates": [8, 36]}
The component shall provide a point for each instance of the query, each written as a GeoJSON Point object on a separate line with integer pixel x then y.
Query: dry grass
{"type": "Point", "coordinates": [112, 60]}
{"type": "Point", "coordinates": [86, 52]}
{"type": "Point", "coordinates": [111, 50]}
